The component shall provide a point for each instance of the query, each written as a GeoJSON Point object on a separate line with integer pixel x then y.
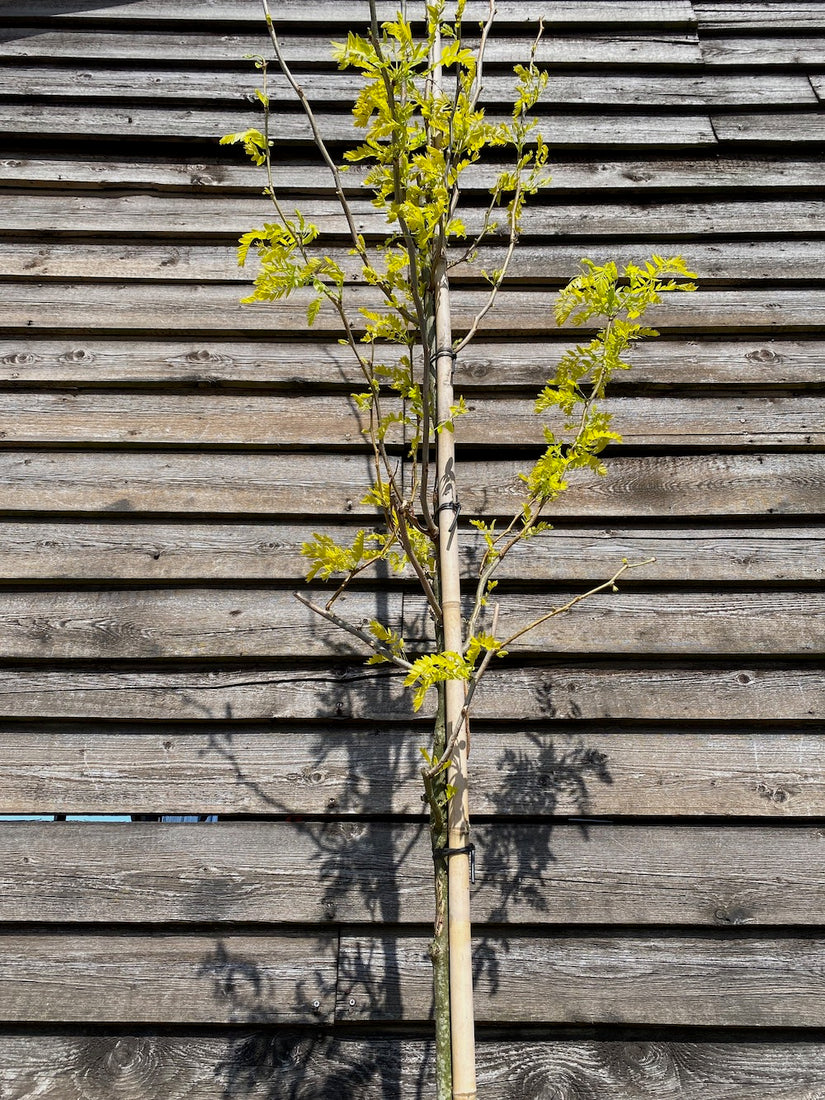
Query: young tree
{"type": "Point", "coordinates": [419, 108]}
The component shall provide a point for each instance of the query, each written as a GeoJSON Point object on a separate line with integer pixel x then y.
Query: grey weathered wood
{"type": "Point", "coordinates": [646, 89]}
{"type": "Point", "coordinates": [167, 978]}
{"type": "Point", "coordinates": [773, 126]}
{"type": "Point", "coordinates": [661, 13]}
{"type": "Point", "coordinates": [145, 1065]}
{"type": "Point", "coordinates": [632, 49]}
{"type": "Point", "coordinates": [722, 261]}
{"type": "Point", "coordinates": [71, 361]}
{"type": "Point", "coordinates": [167, 551]}
{"type": "Point", "coordinates": [620, 173]}
{"type": "Point", "coordinates": [754, 691]}
{"type": "Point", "coordinates": [184, 216]}
{"type": "Point", "coordinates": [287, 873]}
{"type": "Point", "coordinates": [282, 421]}
{"type": "Point", "coordinates": [767, 51]}
{"type": "Point", "coordinates": [142, 309]}
{"type": "Point", "coordinates": [343, 770]}
{"type": "Point", "coordinates": [250, 622]}
{"type": "Point", "coordinates": [790, 15]}
{"type": "Point", "coordinates": [298, 484]}
{"type": "Point", "coordinates": [673, 979]}
{"type": "Point", "coordinates": [142, 121]}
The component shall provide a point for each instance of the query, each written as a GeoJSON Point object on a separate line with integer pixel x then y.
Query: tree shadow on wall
{"type": "Point", "coordinates": [367, 871]}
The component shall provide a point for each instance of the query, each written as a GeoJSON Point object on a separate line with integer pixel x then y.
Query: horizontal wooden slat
{"type": "Point", "coordinates": [336, 769]}
{"type": "Point", "coordinates": [622, 173]}
{"type": "Point", "coordinates": [76, 361]}
{"type": "Point", "coordinates": [246, 978]}
{"type": "Point", "coordinates": [187, 216]}
{"type": "Point", "coordinates": [269, 552]}
{"type": "Point", "coordinates": [144, 1066]}
{"type": "Point", "coordinates": [209, 622]}
{"type": "Point", "coordinates": [166, 978]}
{"type": "Point", "coordinates": [789, 15]}
{"type": "Point", "coordinates": [287, 873]}
{"type": "Point", "coordinates": [586, 979]}
{"type": "Point", "coordinates": [773, 51]}
{"type": "Point", "coordinates": [774, 126]}
{"type": "Point", "coordinates": [282, 421]}
{"type": "Point", "coordinates": [646, 89]}
{"type": "Point", "coordinates": [642, 48]}
{"type": "Point", "coordinates": [575, 12]}
{"type": "Point", "coordinates": [143, 308]}
{"type": "Point", "coordinates": [31, 481]}
{"type": "Point", "coordinates": [720, 261]}
{"type": "Point", "coordinates": [639, 691]}
{"type": "Point", "coordinates": [562, 130]}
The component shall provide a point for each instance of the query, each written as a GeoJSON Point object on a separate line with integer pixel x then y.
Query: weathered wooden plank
{"type": "Point", "coordinates": [661, 13]}
{"type": "Point", "coordinates": [278, 420]}
{"type": "Point", "coordinates": [256, 484]}
{"type": "Point", "coordinates": [764, 51]}
{"type": "Point", "coordinates": [702, 361]}
{"type": "Point", "coordinates": [675, 979]}
{"type": "Point", "coordinates": [180, 308]}
{"type": "Point", "coordinates": [145, 1065]}
{"type": "Point", "coordinates": [818, 84]}
{"type": "Point", "coordinates": [720, 261]}
{"type": "Point", "coordinates": [563, 130]}
{"type": "Point", "coordinates": [162, 978]}
{"type": "Point", "coordinates": [645, 89]}
{"type": "Point", "coordinates": [790, 15]}
{"type": "Point", "coordinates": [770, 126]}
{"type": "Point", "coordinates": [621, 173]}
{"type": "Point", "coordinates": [168, 623]}
{"type": "Point", "coordinates": [227, 768]}
{"type": "Point", "coordinates": [288, 873]}
{"type": "Point", "coordinates": [638, 691]}
{"type": "Point", "coordinates": [272, 552]}
{"type": "Point", "coordinates": [194, 216]}
{"type": "Point", "coordinates": [667, 48]}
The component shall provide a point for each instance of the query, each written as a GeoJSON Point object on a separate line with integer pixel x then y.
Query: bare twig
{"type": "Point", "coordinates": [374, 644]}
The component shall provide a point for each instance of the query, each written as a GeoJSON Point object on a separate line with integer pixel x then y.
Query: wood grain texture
{"type": "Point", "coordinates": [168, 552]}
{"type": "Point", "coordinates": [791, 15]}
{"type": "Point", "coordinates": [544, 770]}
{"type": "Point", "coordinates": [297, 484]}
{"type": "Point", "coordinates": [761, 691]}
{"type": "Point", "coordinates": [167, 624]}
{"type": "Point", "coordinates": [291, 873]}
{"type": "Point", "coordinates": [186, 218]}
{"type": "Point", "coordinates": [724, 261]}
{"type": "Point", "coordinates": [565, 130]}
{"type": "Point", "coordinates": [645, 47]}
{"type": "Point", "coordinates": [141, 85]}
{"type": "Point", "coordinates": [144, 1065]}
{"type": "Point", "coordinates": [661, 13]}
{"type": "Point", "coordinates": [304, 420]}
{"type": "Point", "coordinates": [628, 979]}
{"type": "Point", "coordinates": [759, 172]}
{"type": "Point", "coordinates": [774, 126]}
{"type": "Point", "coordinates": [167, 978]}
{"type": "Point", "coordinates": [768, 51]}
{"type": "Point", "coordinates": [178, 309]}
{"type": "Point", "coordinates": [741, 361]}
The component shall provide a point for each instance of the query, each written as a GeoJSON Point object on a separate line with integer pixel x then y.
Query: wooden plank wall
{"type": "Point", "coordinates": [649, 779]}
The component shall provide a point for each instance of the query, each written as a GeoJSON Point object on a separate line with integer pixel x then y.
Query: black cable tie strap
{"type": "Point", "coordinates": [453, 354]}
{"type": "Point", "coordinates": [468, 849]}
{"type": "Point", "coordinates": [449, 506]}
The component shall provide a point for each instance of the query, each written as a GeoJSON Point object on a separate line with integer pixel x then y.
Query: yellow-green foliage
{"type": "Point", "coordinates": [423, 127]}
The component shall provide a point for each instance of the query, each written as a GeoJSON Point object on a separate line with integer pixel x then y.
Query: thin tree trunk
{"type": "Point", "coordinates": [440, 944]}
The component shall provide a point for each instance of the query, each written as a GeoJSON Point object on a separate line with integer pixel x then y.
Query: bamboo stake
{"type": "Point", "coordinates": [462, 1030]}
